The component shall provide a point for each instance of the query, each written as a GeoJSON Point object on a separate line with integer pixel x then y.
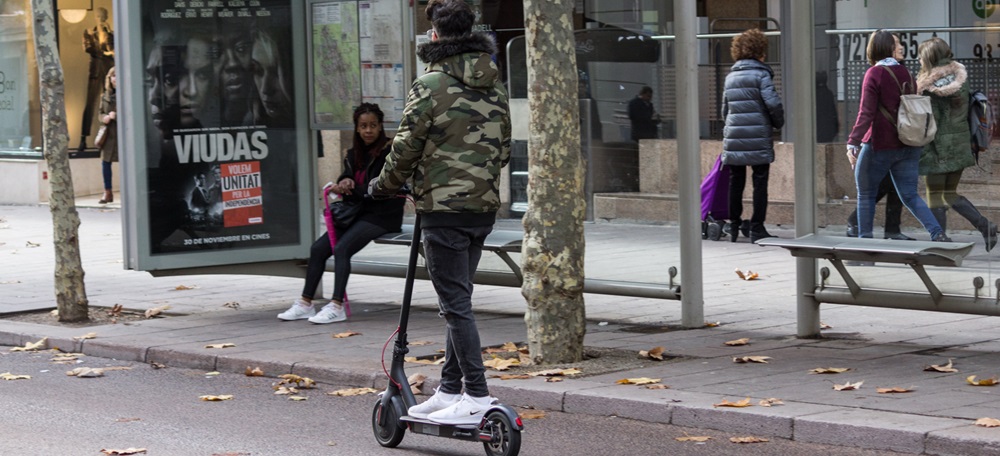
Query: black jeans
{"type": "Point", "coordinates": [349, 242]}
{"type": "Point", "coordinates": [453, 255]}
{"type": "Point", "coordinates": [893, 207]}
{"type": "Point", "coordinates": [737, 181]}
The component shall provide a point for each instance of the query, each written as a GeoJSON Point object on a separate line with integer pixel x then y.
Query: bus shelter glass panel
{"type": "Point", "coordinates": [626, 96]}
{"type": "Point", "coordinates": [958, 186]}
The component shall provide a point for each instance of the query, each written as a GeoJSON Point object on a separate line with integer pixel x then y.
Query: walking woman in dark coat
{"type": "Point", "coordinates": [753, 110]}
{"type": "Point", "coordinates": [944, 159]}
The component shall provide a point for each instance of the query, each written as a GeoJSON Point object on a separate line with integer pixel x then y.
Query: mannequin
{"type": "Point", "coordinates": [99, 42]}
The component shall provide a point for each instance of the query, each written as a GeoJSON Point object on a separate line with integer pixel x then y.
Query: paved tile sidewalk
{"type": "Point", "coordinates": [883, 347]}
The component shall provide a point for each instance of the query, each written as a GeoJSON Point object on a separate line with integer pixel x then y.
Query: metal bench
{"type": "Point", "coordinates": [503, 243]}
{"type": "Point", "coordinates": [843, 252]}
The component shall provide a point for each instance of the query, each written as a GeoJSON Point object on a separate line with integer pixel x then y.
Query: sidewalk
{"type": "Point", "coordinates": [883, 347]}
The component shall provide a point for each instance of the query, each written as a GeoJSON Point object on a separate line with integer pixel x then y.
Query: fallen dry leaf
{"type": "Point", "coordinates": [297, 398]}
{"type": "Point", "coordinates": [501, 364]}
{"type": "Point", "coordinates": [301, 382]}
{"type": "Point", "coordinates": [232, 305]}
{"type": "Point", "coordinates": [553, 379]}
{"type": "Point", "coordinates": [213, 374]}
{"type": "Point", "coordinates": [513, 377]}
{"type": "Point", "coordinates": [223, 397]}
{"type": "Point", "coordinates": [726, 403]}
{"type": "Point", "coordinates": [988, 422]}
{"type": "Point", "coordinates": [434, 361]}
{"type": "Point", "coordinates": [127, 420]}
{"type": "Point", "coordinates": [658, 386]}
{"type": "Point", "coordinates": [254, 372]}
{"type": "Point", "coordinates": [638, 381]}
{"type": "Point", "coordinates": [185, 287]}
{"type": "Point", "coordinates": [532, 414]}
{"type": "Point", "coordinates": [895, 389]}
{"type": "Point", "coordinates": [654, 353]}
{"type": "Point", "coordinates": [31, 244]}
{"type": "Point", "coordinates": [505, 348]}
{"type": "Point", "coordinates": [31, 346]}
{"type": "Point", "coordinates": [770, 401]}
{"type": "Point", "coordinates": [223, 345]}
{"type": "Point", "coordinates": [693, 438]}
{"type": "Point", "coordinates": [283, 390]}
{"type": "Point", "coordinates": [86, 372]}
{"type": "Point", "coordinates": [738, 342]}
{"type": "Point", "coordinates": [829, 370]}
{"type": "Point", "coordinates": [66, 358]}
{"type": "Point", "coordinates": [848, 386]}
{"type": "Point", "coordinates": [751, 359]}
{"type": "Point", "coordinates": [116, 310]}
{"type": "Point", "coordinates": [748, 439]}
{"type": "Point", "coordinates": [150, 313]}
{"type": "Point", "coordinates": [345, 335]}
{"type": "Point", "coordinates": [90, 335]}
{"type": "Point", "coordinates": [945, 368]}
{"type": "Point", "coordinates": [352, 392]}
{"type": "Point", "coordinates": [156, 365]}
{"type": "Point", "coordinates": [749, 275]}
{"type": "Point", "coordinates": [823, 326]}
{"type": "Point", "coordinates": [983, 382]}
{"type": "Point", "coordinates": [10, 376]}
{"type": "Point", "coordinates": [416, 381]}
{"type": "Point", "coordinates": [555, 372]}
{"type": "Point", "coordinates": [709, 324]}
{"type": "Point", "coordinates": [124, 452]}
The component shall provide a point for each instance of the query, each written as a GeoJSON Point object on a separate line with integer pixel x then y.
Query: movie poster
{"type": "Point", "coordinates": [221, 148]}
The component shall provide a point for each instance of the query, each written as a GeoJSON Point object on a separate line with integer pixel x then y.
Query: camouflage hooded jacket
{"type": "Point", "coordinates": [454, 136]}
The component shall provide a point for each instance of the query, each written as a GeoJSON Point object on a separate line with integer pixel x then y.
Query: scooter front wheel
{"type": "Point", "coordinates": [506, 437]}
{"type": "Point", "coordinates": [391, 433]}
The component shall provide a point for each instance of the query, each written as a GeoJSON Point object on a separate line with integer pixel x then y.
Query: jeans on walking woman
{"type": "Point", "coordinates": [902, 165]}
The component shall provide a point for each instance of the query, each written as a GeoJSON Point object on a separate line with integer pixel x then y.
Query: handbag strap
{"type": "Point", "coordinates": [901, 87]}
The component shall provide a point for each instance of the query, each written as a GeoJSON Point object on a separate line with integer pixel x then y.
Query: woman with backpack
{"type": "Point", "coordinates": [874, 148]}
{"type": "Point", "coordinates": [944, 159]}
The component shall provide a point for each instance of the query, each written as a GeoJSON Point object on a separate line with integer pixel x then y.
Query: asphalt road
{"type": "Point", "coordinates": [160, 410]}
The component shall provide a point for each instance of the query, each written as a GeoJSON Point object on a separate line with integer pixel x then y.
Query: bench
{"type": "Point", "coordinates": [503, 243]}
{"type": "Point", "coordinates": [843, 252]}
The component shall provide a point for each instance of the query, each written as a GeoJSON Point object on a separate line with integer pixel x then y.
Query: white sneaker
{"type": "Point", "coordinates": [299, 310]}
{"type": "Point", "coordinates": [469, 410]}
{"type": "Point", "coordinates": [438, 401]}
{"type": "Point", "coordinates": [330, 313]}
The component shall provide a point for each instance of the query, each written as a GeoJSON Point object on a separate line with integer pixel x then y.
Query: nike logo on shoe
{"type": "Point", "coordinates": [475, 412]}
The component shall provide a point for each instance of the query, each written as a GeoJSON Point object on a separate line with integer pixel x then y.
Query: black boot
{"type": "Point", "coordinates": [758, 232]}
{"type": "Point", "coordinates": [966, 209]}
{"type": "Point", "coordinates": [941, 215]}
{"type": "Point", "coordinates": [732, 229]}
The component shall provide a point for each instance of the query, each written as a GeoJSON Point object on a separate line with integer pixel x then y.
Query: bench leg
{"type": "Point", "coordinates": [851, 284]}
{"type": "Point", "coordinates": [931, 288]}
{"type": "Point", "coordinates": [514, 267]}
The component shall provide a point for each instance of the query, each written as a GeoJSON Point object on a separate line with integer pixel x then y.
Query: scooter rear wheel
{"type": "Point", "coordinates": [508, 438]}
{"type": "Point", "coordinates": [390, 434]}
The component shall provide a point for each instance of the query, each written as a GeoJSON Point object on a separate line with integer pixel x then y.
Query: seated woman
{"type": "Point", "coordinates": [364, 161]}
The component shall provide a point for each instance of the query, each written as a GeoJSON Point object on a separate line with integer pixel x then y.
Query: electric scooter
{"type": "Point", "coordinates": [499, 430]}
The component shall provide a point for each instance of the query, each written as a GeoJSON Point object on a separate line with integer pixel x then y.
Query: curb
{"type": "Point", "coordinates": [798, 421]}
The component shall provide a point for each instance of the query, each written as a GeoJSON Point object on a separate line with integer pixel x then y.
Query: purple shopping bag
{"type": "Point", "coordinates": [715, 192]}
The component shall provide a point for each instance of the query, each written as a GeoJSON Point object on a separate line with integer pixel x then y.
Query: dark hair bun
{"type": "Point", "coordinates": [450, 17]}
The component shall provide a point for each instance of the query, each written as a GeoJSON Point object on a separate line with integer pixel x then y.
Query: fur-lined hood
{"type": "Point", "coordinates": [943, 80]}
{"type": "Point", "coordinates": [444, 47]}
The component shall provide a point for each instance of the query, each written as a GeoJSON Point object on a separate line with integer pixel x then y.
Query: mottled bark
{"type": "Point", "coordinates": [71, 297]}
{"type": "Point", "coordinates": [553, 250]}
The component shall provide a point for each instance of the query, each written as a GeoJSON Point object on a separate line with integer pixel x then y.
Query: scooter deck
{"type": "Point", "coordinates": [455, 431]}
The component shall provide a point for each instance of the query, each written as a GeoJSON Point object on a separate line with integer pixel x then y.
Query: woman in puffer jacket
{"type": "Point", "coordinates": [944, 159]}
{"type": "Point", "coordinates": [752, 109]}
